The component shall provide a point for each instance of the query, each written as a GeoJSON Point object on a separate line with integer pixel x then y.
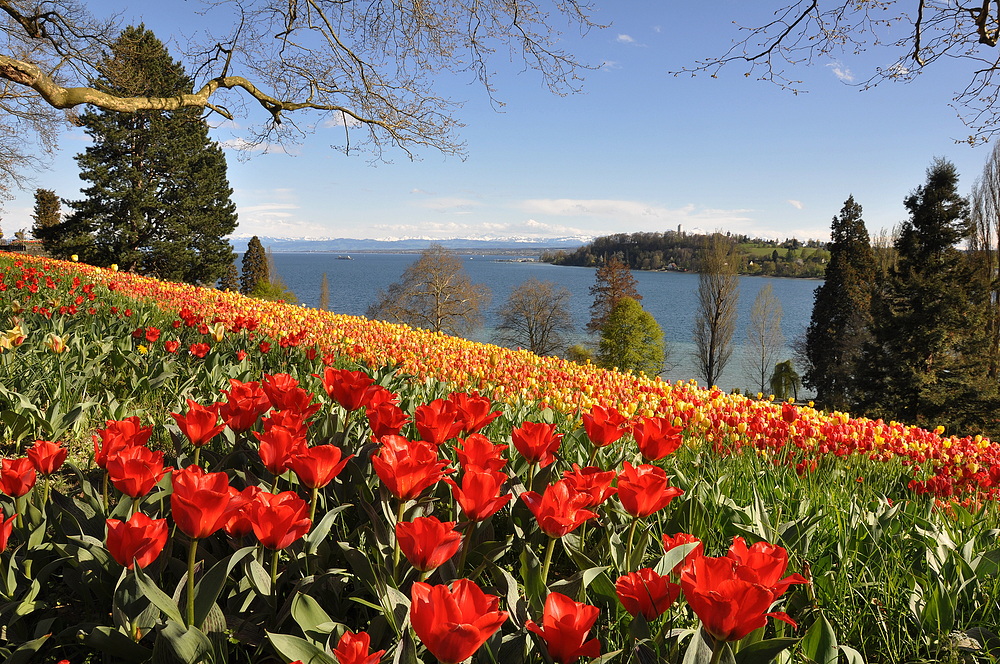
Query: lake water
{"type": "Point", "coordinates": [672, 297]}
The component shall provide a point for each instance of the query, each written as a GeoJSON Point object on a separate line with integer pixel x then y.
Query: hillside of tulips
{"type": "Point", "coordinates": [190, 475]}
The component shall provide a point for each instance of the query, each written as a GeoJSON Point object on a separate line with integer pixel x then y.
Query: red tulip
{"type": "Point", "coordinates": [645, 489]}
{"type": "Point", "coordinates": [728, 605]}
{"type": "Point", "coordinates": [200, 501]}
{"type": "Point", "coordinates": [767, 561]}
{"type": "Point", "coordinates": [6, 528]}
{"type": "Point", "coordinates": [592, 482]}
{"type": "Point", "coordinates": [656, 438]}
{"type": "Point", "coordinates": [116, 436]}
{"type": "Point", "coordinates": [199, 350]}
{"type": "Point", "coordinates": [238, 520]}
{"type": "Point", "coordinates": [473, 411]}
{"type": "Point", "coordinates": [278, 519]}
{"type": "Point", "coordinates": [152, 334]}
{"type": "Point", "coordinates": [408, 467]}
{"type": "Point", "coordinates": [560, 509]}
{"type": "Point", "coordinates": [135, 470]}
{"type": "Point", "coordinates": [565, 626]}
{"type": "Point", "coordinates": [437, 421]}
{"type": "Point", "coordinates": [454, 623]}
{"type": "Point", "coordinates": [671, 541]}
{"type": "Point", "coordinates": [171, 345]}
{"type": "Point", "coordinates": [17, 476]}
{"type": "Point", "coordinates": [428, 542]}
{"type": "Point", "coordinates": [353, 649]}
{"type": "Point", "coordinates": [277, 447]}
{"type": "Point", "coordinates": [386, 418]}
{"type": "Point", "coordinates": [646, 592]}
{"type": "Point", "coordinates": [200, 424]}
{"type": "Point", "coordinates": [476, 451]}
{"type": "Point", "coordinates": [292, 420]}
{"type": "Point", "coordinates": [284, 393]}
{"type": "Point", "coordinates": [137, 541]}
{"type": "Point", "coordinates": [317, 466]}
{"type": "Point", "coordinates": [46, 456]}
{"type": "Point", "coordinates": [537, 442]}
{"type": "Point", "coordinates": [245, 403]}
{"type": "Point", "coordinates": [348, 388]}
{"type": "Point", "coordinates": [479, 494]}
{"type": "Point", "coordinates": [603, 425]}
{"type": "Point", "coordinates": [789, 412]}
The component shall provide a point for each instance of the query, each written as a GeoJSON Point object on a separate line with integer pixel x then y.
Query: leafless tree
{"type": "Point", "coordinates": [435, 293]}
{"type": "Point", "coordinates": [764, 338]}
{"type": "Point", "coordinates": [917, 33]}
{"type": "Point", "coordinates": [536, 317]}
{"type": "Point", "coordinates": [368, 66]}
{"type": "Point", "coordinates": [718, 296]}
{"type": "Point", "coordinates": [984, 243]}
{"type": "Point", "coordinates": [612, 282]}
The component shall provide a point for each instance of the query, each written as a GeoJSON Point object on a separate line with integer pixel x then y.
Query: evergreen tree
{"type": "Point", "coordinates": [230, 280]}
{"type": "Point", "coordinates": [254, 266]}
{"type": "Point", "coordinates": [927, 362]}
{"type": "Point", "coordinates": [785, 381]}
{"type": "Point", "coordinates": [841, 314]}
{"type": "Point", "coordinates": [46, 213]}
{"type": "Point", "coordinates": [613, 281]}
{"type": "Point", "coordinates": [158, 200]}
{"type": "Point", "coordinates": [632, 340]}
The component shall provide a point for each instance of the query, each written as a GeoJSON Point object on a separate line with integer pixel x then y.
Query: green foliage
{"type": "Point", "coordinates": [230, 280]}
{"type": "Point", "coordinates": [580, 354]}
{"type": "Point", "coordinates": [841, 314]}
{"type": "Point", "coordinates": [46, 212]}
{"type": "Point", "coordinates": [273, 290]}
{"type": "Point", "coordinates": [324, 294]}
{"type": "Point", "coordinates": [928, 359]}
{"type": "Point", "coordinates": [785, 381]}
{"type": "Point", "coordinates": [158, 198]}
{"type": "Point", "coordinates": [632, 340]}
{"type": "Point", "coordinates": [255, 267]}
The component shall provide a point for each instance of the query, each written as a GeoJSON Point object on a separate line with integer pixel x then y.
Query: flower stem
{"type": "Point", "coordinates": [104, 491]}
{"type": "Point", "coordinates": [628, 551]}
{"type": "Point", "coordinates": [19, 506]}
{"type": "Point", "coordinates": [395, 550]}
{"type": "Point", "coordinates": [312, 506]}
{"type": "Point", "coordinates": [548, 560]}
{"type": "Point", "coordinates": [274, 575]}
{"type": "Point", "coordinates": [466, 545]}
{"type": "Point", "coordinates": [717, 651]}
{"type": "Point", "coordinates": [192, 556]}
{"type": "Point", "coordinates": [197, 455]}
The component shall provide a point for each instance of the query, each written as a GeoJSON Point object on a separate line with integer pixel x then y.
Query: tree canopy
{"type": "Point", "coordinates": [718, 297]}
{"type": "Point", "coordinates": [612, 281]}
{"type": "Point", "coordinates": [434, 293]}
{"type": "Point", "coordinates": [536, 317]}
{"type": "Point", "coordinates": [361, 65]}
{"type": "Point", "coordinates": [632, 340]}
{"type": "Point", "coordinates": [157, 199]}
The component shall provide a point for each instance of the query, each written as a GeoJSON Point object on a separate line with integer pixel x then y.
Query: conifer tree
{"type": "Point", "coordinates": [324, 294]}
{"type": "Point", "coordinates": [841, 314]}
{"type": "Point", "coordinates": [927, 360]}
{"type": "Point", "coordinates": [158, 199]}
{"type": "Point", "coordinates": [613, 281]}
{"type": "Point", "coordinates": [46, 212]}
{"type": "Point", "coordinates": [254, 266]}
{"type": "Point", "coordinates": [230, 280]}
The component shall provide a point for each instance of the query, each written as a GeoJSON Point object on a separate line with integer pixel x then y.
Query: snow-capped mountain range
{"type": "Point", "coordinates": [279, 244]}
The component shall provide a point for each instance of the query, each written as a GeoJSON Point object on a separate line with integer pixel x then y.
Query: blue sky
{"type": "Point", "coordinates": [638, 150]}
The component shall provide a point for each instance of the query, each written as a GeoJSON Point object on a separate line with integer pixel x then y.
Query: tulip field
{"type": "Point", "coordinates": [190, 475]}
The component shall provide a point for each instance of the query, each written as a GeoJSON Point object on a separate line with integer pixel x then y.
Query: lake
{"type": "Point", "coordinates": [672, 297]}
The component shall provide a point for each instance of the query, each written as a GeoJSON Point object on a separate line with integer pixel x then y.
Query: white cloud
{"type": "Point", "coordinates": [243, 145]}
{"type": "Point", "coordinates": [841, 72]}
{"type": "Point", "coordinates": [625, 39]}
{"type": "Point", "coordinates": [341, 120]}
{"type": "Point", "coordinates": [608, 65]}
{"type": "Point", "coordinates": [449, 204]}
{"type": "Point", "coordinates": [795, 204]}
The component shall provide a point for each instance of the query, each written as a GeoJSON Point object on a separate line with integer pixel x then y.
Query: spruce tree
{"type": "Point", "coordinates": [926, 363]}
{"type": "Point", "coordinates": [230, 280]}
{"type": "Point", "coordinates": [158, 200]}
{"type": "Point", "coordinates": [841, 314]}
{"type": "Point", "coordinates": [46, 213]}
{"type": "Point", "coordinates": [254, 266]}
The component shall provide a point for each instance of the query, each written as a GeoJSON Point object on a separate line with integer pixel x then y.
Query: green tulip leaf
{"type": "Point", "coordinates": [207, 590]}
{"type": "Point", "coordinates": [764, 651]}
{"type": "Point", "coordinates": [820, 642]}
{"type": "Point", "coordinates": [293, 648]}
{"type": "Point", "coordinates": [162, 600]}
